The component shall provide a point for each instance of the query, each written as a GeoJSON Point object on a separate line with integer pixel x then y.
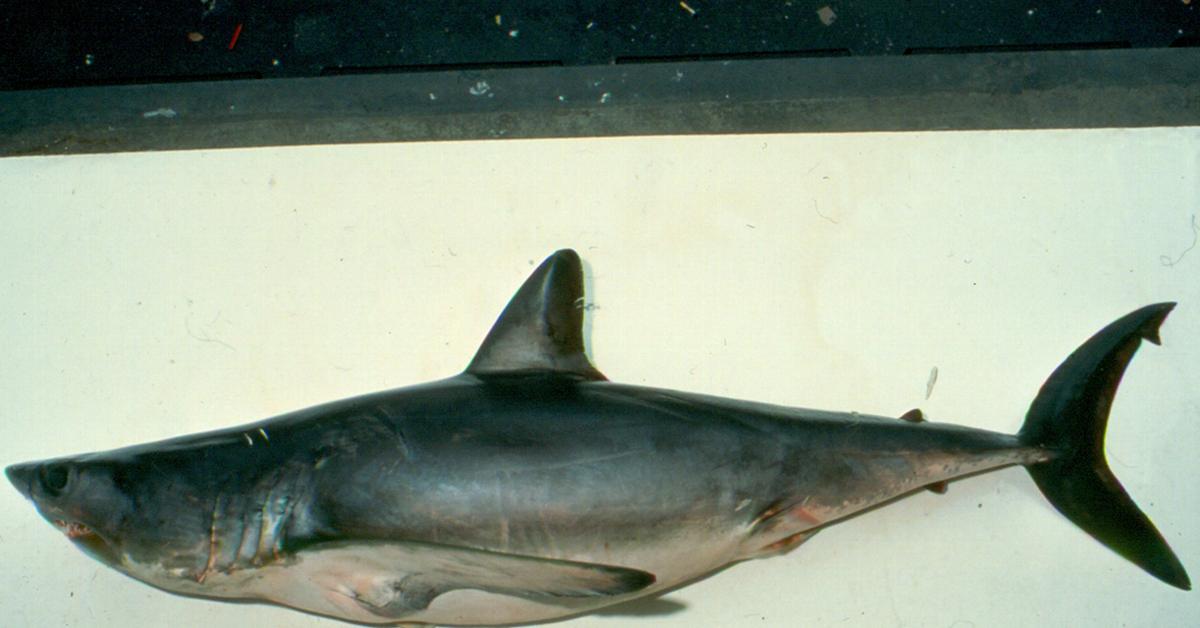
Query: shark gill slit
{"type": "Point", "coordinates": [212, 542]}
{"type": "Point", "coordinates": [280, 527]}
{"type": "Point", "coordinates": [252, 532]}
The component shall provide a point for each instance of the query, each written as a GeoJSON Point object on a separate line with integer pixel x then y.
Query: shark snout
{"type": "Point", "coordinates": [21, 476]}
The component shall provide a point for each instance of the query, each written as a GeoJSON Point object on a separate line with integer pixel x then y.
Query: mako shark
{"type": "Point", "coordinates": [531, 488]}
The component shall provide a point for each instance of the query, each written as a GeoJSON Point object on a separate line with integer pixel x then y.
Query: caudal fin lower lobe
{"type": "Point", "coordinates": [1068, 417]}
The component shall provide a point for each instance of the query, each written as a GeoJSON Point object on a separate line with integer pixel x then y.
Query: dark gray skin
{"type": "Point", "coordinates": [529, 488]}
{"type": "Point", "coordinates": [539, 465]}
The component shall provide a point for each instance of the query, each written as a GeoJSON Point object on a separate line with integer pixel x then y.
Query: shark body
{"type": "Point", "coordinates": [530, 488]}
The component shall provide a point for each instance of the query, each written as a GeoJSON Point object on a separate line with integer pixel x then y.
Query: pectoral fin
{"type": "Point", "coordinates": [394, 579]}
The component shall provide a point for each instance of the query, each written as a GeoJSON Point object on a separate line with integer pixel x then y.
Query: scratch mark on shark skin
{"type": "Point", "coordinates": [574, 463]}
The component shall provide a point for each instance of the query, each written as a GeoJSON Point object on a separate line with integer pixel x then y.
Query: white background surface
{"type": "Point", "coordinates": [151, 295]}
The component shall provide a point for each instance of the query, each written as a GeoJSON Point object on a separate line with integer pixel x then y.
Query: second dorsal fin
{"type": "Point", "coordinates": [541, 329]}
{"type": "Point", "coordinates": [916, 416]}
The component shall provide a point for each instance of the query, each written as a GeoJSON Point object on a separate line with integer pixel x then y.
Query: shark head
{"type": "Point", "coordinates": [83, 499]}
{"type": "Point", "coordinates": [135, 515]}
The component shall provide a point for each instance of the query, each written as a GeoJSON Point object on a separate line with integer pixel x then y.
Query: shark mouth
{"type": "Point", "coordinates": [88, 540]}
{"type": "Point", "coordinates": [73, 530]}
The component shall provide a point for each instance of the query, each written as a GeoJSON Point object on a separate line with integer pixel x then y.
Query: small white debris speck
{"type": "Point", "coordinates": [480, 88]}
{"type": "Point", "coordinates": [89, 59]}
{"type": "Point", "coordinates": [513, 33]}
{"type": "Point", "coordinates": [827, 15]}
{"type": "Point", "coordinates": [562, 98]}
{"type": "Point", "coordinates": [605, 97]}
{"type": "Point", "coordinates": [589, 26]}
{"type": "Point", "coordinates": [685, 7]}
{"type": "Point", "coordinates": [432, 96]}
{"type": "Point", "coordinates": [499, 19]}
{"type": "Point", "coordinates": [164, 112]}
{"type": "Point", "coordinates": [249, 441]}
{"type": "Point", "coordinates": [275, 62]}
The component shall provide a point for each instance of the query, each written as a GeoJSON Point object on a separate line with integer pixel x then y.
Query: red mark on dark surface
{"type": "Point", "coordinates": [236, 32]}
{"type": "Point", "coordinates": [786, 543]}
{"type": "Point", "coordinates": [800, 513]}
{"type": "Point", "coordinates": [770, 512]}
{"type": "Point", "coordinates": [939, 487]}
{"type": "Point", "coordinates": [73, 530]}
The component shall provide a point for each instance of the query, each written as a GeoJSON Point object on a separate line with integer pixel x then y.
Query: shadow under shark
{"type": "Point", "coordinates": [530, 488]}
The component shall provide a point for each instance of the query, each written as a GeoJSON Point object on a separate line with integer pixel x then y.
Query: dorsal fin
{"type": "Point", "coordinates": [541, 329]}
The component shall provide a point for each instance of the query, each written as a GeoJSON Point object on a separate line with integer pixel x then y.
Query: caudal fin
{"type": "Point", "coordinates": [1068, 418]}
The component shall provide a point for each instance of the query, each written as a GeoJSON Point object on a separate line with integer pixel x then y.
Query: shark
{"type": "Point", "coordinates": [531, 488]}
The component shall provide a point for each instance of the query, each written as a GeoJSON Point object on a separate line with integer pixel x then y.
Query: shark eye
{"type": "Point", "coordinates": [55, 477]}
